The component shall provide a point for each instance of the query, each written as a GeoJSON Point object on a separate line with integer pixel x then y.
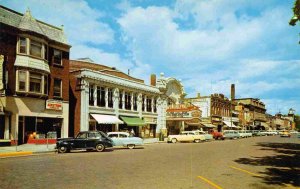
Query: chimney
{"type": "Point", "coordinates": [153, 80]}
{"type": "Point", "coordinates": [232, 91]}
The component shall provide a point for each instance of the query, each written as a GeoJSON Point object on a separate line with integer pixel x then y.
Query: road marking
{"type": "Point", "coordinates": [245, 171]}
{"type": "Point", "coordinates": [210, 182]}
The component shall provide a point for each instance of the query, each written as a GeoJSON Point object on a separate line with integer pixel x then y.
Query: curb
{"type": "Point", "coordinates": [13, 154]}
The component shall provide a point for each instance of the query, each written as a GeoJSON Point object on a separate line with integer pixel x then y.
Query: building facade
{"type": "Point", "coordinates": [34, 83]}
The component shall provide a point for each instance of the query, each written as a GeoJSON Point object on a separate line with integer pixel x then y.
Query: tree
{"type": "Point", "coordinates": [296, 11]}
{"type": "Point", "coordinates": [297, 121]}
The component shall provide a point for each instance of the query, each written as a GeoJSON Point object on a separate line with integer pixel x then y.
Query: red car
{"type": "Point", "coordinates": [217, 135]}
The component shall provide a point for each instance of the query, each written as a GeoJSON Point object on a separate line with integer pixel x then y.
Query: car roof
{"type": "Point", "coordinates": [118, 132]}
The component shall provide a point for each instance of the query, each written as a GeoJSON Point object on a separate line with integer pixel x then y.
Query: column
{"type": "Point", "coordinates": [123, 100]}
{"type": "Point", "coordinates": [139, 104]}
{"type": "Point", "coordinates": [14, 127]}
{"type": "Point", "coordinates": [84, 107]}
{"type": "Point", "coordinates": [132, 99]}
{"type": "Point", "coordinates": [145, 103]}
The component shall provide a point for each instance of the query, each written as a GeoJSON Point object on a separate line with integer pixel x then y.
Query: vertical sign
{"type": "Point", "coordinates": [1, 71]}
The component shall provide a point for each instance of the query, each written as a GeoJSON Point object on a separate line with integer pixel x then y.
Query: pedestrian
{"type": "Point", "coordinates": [132, 132]}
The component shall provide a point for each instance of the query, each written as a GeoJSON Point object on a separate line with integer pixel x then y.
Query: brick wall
{"type": "Point", "coordinates": [75, 105]}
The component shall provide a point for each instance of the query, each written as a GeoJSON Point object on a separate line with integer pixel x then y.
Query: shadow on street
{"type": "Point", "coordinates": [284, 167]}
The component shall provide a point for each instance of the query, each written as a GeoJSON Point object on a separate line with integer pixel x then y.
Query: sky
{"type": "Point", "coordinates": [206, 44]}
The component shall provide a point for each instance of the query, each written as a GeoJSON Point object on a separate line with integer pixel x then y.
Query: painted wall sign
{"type": "Point", "coordinates": [54, 105]}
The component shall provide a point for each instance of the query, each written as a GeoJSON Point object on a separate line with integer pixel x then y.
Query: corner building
{"type": "Point", "coordinates": [34, 83]}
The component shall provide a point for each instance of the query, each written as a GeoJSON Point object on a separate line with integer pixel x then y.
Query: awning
{"type": "Point", "coordinates": [106, 119]}
{"type": "Point", "coordinates": [229, 124]}
{"type": "Point", "coordinates": [133, 121]}
{"type": "Point", "coordinates": [208, 125]}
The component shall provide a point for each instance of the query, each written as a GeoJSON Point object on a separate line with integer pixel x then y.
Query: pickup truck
{"type": "Point", "coordinates": [186, 136]}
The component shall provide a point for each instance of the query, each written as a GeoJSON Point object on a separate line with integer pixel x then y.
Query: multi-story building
{"type": "Point", "coordinates": [257, 112]}
{"type": "Point", "coordinates": [217, 111]}
{"type": "Point", "coordinates": [34, 81]}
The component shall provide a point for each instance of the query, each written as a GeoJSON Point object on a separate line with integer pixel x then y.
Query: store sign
{"type": "Point", "coordinates": [54, 105]}
{"type": "Point", "coordinates": [150, 120]}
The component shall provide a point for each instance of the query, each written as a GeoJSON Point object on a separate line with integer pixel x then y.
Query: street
{"type": "Point", "coordinates": [257, 162]}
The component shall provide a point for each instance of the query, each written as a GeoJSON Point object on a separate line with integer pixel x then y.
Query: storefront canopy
{"type": "Point", "coordinates": [229, 124]}
{"type": "Point", "coordinates": [106, 119]}
{"type": "Point", "coordinates": [133, 121]}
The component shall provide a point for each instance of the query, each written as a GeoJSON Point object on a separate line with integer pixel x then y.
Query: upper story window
{"type": "Point", "coordinates": [149, 109]}
{"type": "Point", "coordinates": [23, 45]}
{"type": "Point", "coordinates": [91, 95]}
{"type": "Point", "coordinates": [120, 100]}
{"type": "Point", "coordinates": [57, 88]}
{"type": "Point", "coordinates": [57, 57]}
{"type": "Point", "coordinates": [45, 84]}
{"type": "Point", "coordinates": [36, 48]}
{"type": "Point", "coordinates": [35, 82]}
{"type": "Point", "coordinates": [101, 96]}
{"type": "Point", "coordinates": [134, 102]}
{"type": "Point", "coordinates": [22, 80]}
{"type": "Point", "coordinates": [155, 103]}
{"type": "Point", "coordinates": [143, 103]}
{"type": "Point", "coordinates": [110, 98]}
{"type": "Point", "coordinates": [127, 101]}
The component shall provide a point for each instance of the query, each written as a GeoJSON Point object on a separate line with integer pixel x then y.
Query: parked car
{"type": "Point", "coordinates": [205, 134]}
{"type": "Point", "coordinates": [294, 132]}
{"type": "Point", "coordinates": [124, 139]}
{"type": "Point", "coordinates": [271, 132]}
{"type": "Point", "coordinates": [243, 134]}
{"type": "Point", "coordinates": [217, 135]}
{"type": "Point", "coordinates": [285, 134]}
{"type": "Point", "coordinates": [231, 134]}
{"type": "Point", "coordinates": [186, 136]}
{"type": "Point", "coordinates": [249, 133]}
{"type": "Point", "coordinates": [87, 140]}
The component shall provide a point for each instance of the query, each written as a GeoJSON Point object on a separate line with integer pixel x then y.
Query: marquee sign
{"type": "Point", "coordinates": [54, 105]}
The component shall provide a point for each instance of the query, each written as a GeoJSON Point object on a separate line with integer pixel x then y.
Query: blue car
{"type": "Point", "coordinates": [123, 139]}
{"type": "Point", "coordinates": [231, 134]}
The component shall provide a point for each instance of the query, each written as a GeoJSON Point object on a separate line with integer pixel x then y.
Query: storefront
{"type": "Point", "coordinates": [133, 125]}
{"type": "Point", "coordinates": [148, 131]}
{"type": "Point", "coordinates": [104, 123]}
{"type": "Point", "coordinates": [36, 121]}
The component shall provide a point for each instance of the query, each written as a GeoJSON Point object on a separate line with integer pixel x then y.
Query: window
{"type": "Point", "coordinates": [101, 96]}
{"type": "Point", "coordinates": [113, 135]}
{"type": "Point", "coordinates": [134, 102]}
{"type": "Point", "coordinates": [127, 101]}
{"type": "Point", "coordinates": [57, 57]}
{"type": "Point", "coordinates": [57, 88]}
{"type": "Point", "coordinates": [149, 109]}
{"type": "Point", "coordinates": [36, 49]}
{"type": "Point", "coordinates": [23, 45]}
{"type": "Point", "coordinates": [110, 98]}
{"type": "Point", "coordinates": [22, 80]}
{"type": "Point", "coordinates": [143, 103]}
{"type": "Point", "coordinates": [91, 95]}
{"type": "Point", "coordinates": [46, 52]}
{"type": "Point", "coordinates": [81, 135]}
{"type": "Point", "coordinates": [120, 100]}
{"type": "Point", "coordinates": [45, 84]}
{"type": "Point", "coordinates": [122, 136]}
{"type": "Point", "coordinates": [35, 82]}
{"type": "Point", "coordinates": [155, 109]}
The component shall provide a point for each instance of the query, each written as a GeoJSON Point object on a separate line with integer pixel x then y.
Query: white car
{"type": "Point", "coordinates": [186, 136]}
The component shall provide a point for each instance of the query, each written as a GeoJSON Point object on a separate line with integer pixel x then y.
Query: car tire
{"type": "Point", "coordinates": [62, 149]}
{"type": "Point", "coordinates": [100, 147]}
{"type": "Point", "coordinates": [130, 146]}
{"type": "Point", "coordinates": [174, 140]}
{"type": "Point", "coordinates": [197, 140]}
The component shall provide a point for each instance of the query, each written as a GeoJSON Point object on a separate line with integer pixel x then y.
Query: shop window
{"type": "Point", "coordinates": [36, 48]}
{"type": "Point", "coordinates": [127, 101]}
{"type": "Point", "coordinates": [57, 57]}
{"type": "Point", "coordinates": [149, 109]}
{"type": "Point", "coordinates": [22, 45]}
{"type": "Point", "coordinates": [91, 95]}
{"type": "Point", "coordinates": [110, 98]}
{"type": "Point", "coordinates": [101, 96]}
{"type": "Point", "coordinates": [22, 80]}
{"type": "Point", "coordinates": [57, 88]}
{"type": "Point", "coordinates": [35, 82]}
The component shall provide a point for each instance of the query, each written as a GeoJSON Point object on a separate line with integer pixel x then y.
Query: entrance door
{"type": "Point", "coordinates": [21, 131]}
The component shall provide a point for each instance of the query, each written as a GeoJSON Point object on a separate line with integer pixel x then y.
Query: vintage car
{"type": "Point", "coordinates": [86, 140]}
{"type": "Point", "coordinates": [186, 136]}
{"type": "Point", "coordinates": [217, 135]}
{"type": "Point", "coordinates": [285, 134]}
{"type": "Point", "coordinates": [231, 134]}
{"type": "Point", "coordinates": [124, 139]}
{"type": "Point", "coordinates": [205, 134]}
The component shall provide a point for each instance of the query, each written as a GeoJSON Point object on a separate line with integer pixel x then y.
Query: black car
{"type": "Point", "coordinates": [88, 140]}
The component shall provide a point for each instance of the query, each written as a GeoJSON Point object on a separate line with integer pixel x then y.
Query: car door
{"type": "Point", "coordinates": [80, 140]}
{"type": "Point", "coordinates": [92, 139]}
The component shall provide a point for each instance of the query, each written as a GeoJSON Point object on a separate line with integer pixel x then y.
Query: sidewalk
{"type": "Point", "coordinates": [30, 149]}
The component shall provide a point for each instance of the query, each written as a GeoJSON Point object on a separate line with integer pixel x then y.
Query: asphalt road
{"type": "Point", "coordinates": [258, 162]}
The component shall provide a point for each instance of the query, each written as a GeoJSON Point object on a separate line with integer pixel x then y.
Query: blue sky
{"type": "Point", "coordinates": [207, 44]}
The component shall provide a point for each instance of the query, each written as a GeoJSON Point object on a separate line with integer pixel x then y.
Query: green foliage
{"type": "Point", "coordinates": [296, 11]}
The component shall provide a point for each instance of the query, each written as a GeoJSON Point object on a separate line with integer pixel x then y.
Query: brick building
{"type": "Point", "coordinates": [34, 83]}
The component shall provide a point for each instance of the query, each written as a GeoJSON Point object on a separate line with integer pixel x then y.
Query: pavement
{"type": "Point", "coordinates": [34, 149]}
